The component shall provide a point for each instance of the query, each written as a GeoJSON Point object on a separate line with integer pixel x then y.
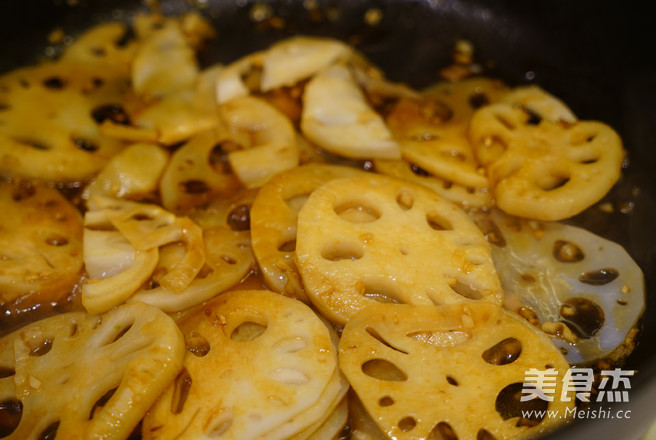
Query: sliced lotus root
{"type": "Point", "coordinates": [197, 173]}
{"type": "Point", "coordinates": [256, 360]}
{"type": "Point", "coordinates": [40, 244]}
{"type": "Point", "coordinates": [332, 428]}
{"type": "Point", "coordinates": [273, 222]}
{"type": "Point", "coordinates": [236, 79]}
{"type": "Point", "coordinates": [228, 256]}
{"type": "Point", "coordinates": [375, 238]}
{"type": "Point", "coordinates": [548, 171]}
{"type": "Point", "coordinates": [453, 192]}
{"type": "Point", "coordinates": [459, 369]}
{"type": "Point", "coordinates": [265, 140]}
{"type": "Point", "coordinates": [540, 104]}
{"type": "Point", "coordinates": [134, 173]}
{"type": "Point", "coordinates": [122, 248]}
{"type": "Point", "coordinates": [585, 290]}
{"type": "Point", "coordinates": [80, 376]}
{"type": "Point", "coordinates": [295, 59]}
{"type": "Point", "coordinates": [68, 145]}
{"type": "Point", "coordinates": [337, 118]}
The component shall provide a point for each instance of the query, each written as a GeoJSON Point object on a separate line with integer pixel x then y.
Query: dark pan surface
{"type": "Point", "coordinates": [596, 56]}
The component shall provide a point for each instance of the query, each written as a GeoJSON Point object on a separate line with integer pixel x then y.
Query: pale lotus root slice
{"type": "Point", "coordinates": [197, 173]}
{"type": "Point", "coordinates": [459, 369]}
{"type": "Point", "coordinates": [40, 245]}
{"type": "Point", "coordinates": [337, 118]}
{"type": "Point", "coordinates": [265, 140]}
{"type": "Point", "coordinates": [82, 376]}
{"type": "Point", "coordinates": [540, 104]}
{"type": "Point", "coordinates": [256, 360]}
{"type": "Point", "coordinates": [541, 169]}
{"type": "Point", "coordinates": [298, 58]}
{"type": "Point", "coordinates": [375, 238]}
{"type": "Point", "coordinates": [228, 256]}
{"type": "Point", "coordinates": [466, 197]}
{"type": "Point", "coordinates": [584, 290]}
{"type": "Point", "coordinates": [122, 248]}
{"type": "Point", "coordinates": [274, 217]}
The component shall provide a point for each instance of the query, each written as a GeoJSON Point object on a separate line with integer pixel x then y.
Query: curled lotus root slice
{"type": "Point", "coordinates": [416, 370]}
{"type": "Point", "coordinates": [265, 137]}
{"type": "Point", "coordinates": [545, 170]}
{"type": "Point", "coordinates": [40, 244]}
{"type": "Point", "coordinates": [197, 173]}
{"type": "Point", "coordinates": [85, 376]}
{"type": "Point", "coordinates": [255, 361]}
{"type": "Point", "coordinates": [567, 275]}
{"type": "Point", "coordinates": [273, 223]}
{"type": "Point", "coordinates": [295, 59]}
{"type": "Point", "coordinates": [453, 192]}
{"type": "Point", "coordinates": [375, 238]}
{"type": "Point", "coordinates": [337, 118]}
{"type": "Point", "coordinates": [229, 258]}
{"type": "Point", "coordinates": [133, 173]}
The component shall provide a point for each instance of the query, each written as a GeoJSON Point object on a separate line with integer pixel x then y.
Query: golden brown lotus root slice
{"type": "Point", "coordinates": [273, 222]}
{"type": "Point", "coordinates": [79, 376]}
{"type": "Point", "coordinates": [67, 100]}
{"type": "Point", "coordinates": [40, 244]}
{"type": "Point", "coordinates": [256, 360]}
{"type": "Point", "coordinates": [453, 192]}
{"type": "Point", "coordinates": [432, 128]}
{"type": "Point", "coordinates": [455, 371]}
{"type": "Point", "coordinates": [375, 238]}
{"type": "Point", "coordinates": [542, 169]}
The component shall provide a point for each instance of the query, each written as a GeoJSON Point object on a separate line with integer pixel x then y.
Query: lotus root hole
{"type": "Point", "coordinates": [181, 387]}
{"type": "Point", "coordinates": [418, 171]}
{"type": "Point", "coordinates": [216, 426]}
{"type": "Point", "coordinates": [505, 122]}
{"type": "Point", "coordinates": [337, 251]}
{"type": "Point", "coordinates": [297, 202]}
{"type": "Point", "coordinates": [438, 222]}
{"type": "Point", "coordinates": [227, 258]}
{"type": "Point", "coordinates": [378, 291]}
{"type": "Point", "coordinates": [247, 331]}
{"type": "Point", "coordinates": [85, 145]}
{"type": "Point", "coordinates": [289, 376]}
{"type": "Point", "coordinates": [599, 277]}
{"type": "Point", "coordinates": [11, 412]}
{"type": "Point", "coordinates": [288, 246]}
{"type": "Point", "coordinates": [504, 352]}
{"type": "Point", "coordinates": [383, 369]}
{"type": "Point", "coordinates": [40, 348]}
{"type": "Point", "coordinates": [452, 381]}
{"type": "Point", "coordinates": [193, 186]}
{"type": "Point", "coordinates": [6, 372]}
{"type": "Point", "coordinates": [374, 334]}
{"type": "Point", "coordinates": [50, 432]}
{"type": "Point", "coordinates": [509, 406]}
{"type": "Point", "coordinates": [357, 212]}
{"type": "Point", "coordinates": [33, 143]}
{"type": "Point", "coordinates": [290, 345]}
{"type": "Point", "coordinates": [581, 137]}
{"type": "Point", "coordinates": [583, 316]}
{"type": "Point", "coordinates": [484, 434]}
{"type": "Point", "coordinates": [385, 401]}
{"type": "Point", "coordinates": [567, 252]}
{"type": "Point", "coordinates": [405, 200]}
{"type": "Point", "coordinates": [56, 240]}
{"type": "Point", "coordinates": [407, 424]}
{"type": "Point", "coordinates": [442, 431]}
{"type": "Point", "coordinates": [552, 181]}
{"type": "Point", "coordinates": [446, 338]}
{"type": "Point", "coordinates": [478, 100]}
{"type": "Point", "coordinates": [239, 218]}
{"type": "Point", "coordinates": [120, 331]}
{"type": "Point", "coordinates": [466, 291]}
{"type": "Point", "coordinates": [100, 403]}
{"type": "Point", "coordinates": [197, 344]}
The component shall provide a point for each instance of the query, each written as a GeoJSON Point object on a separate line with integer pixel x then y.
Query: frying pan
{"type": "Point", "coordinates": [596, 56]}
